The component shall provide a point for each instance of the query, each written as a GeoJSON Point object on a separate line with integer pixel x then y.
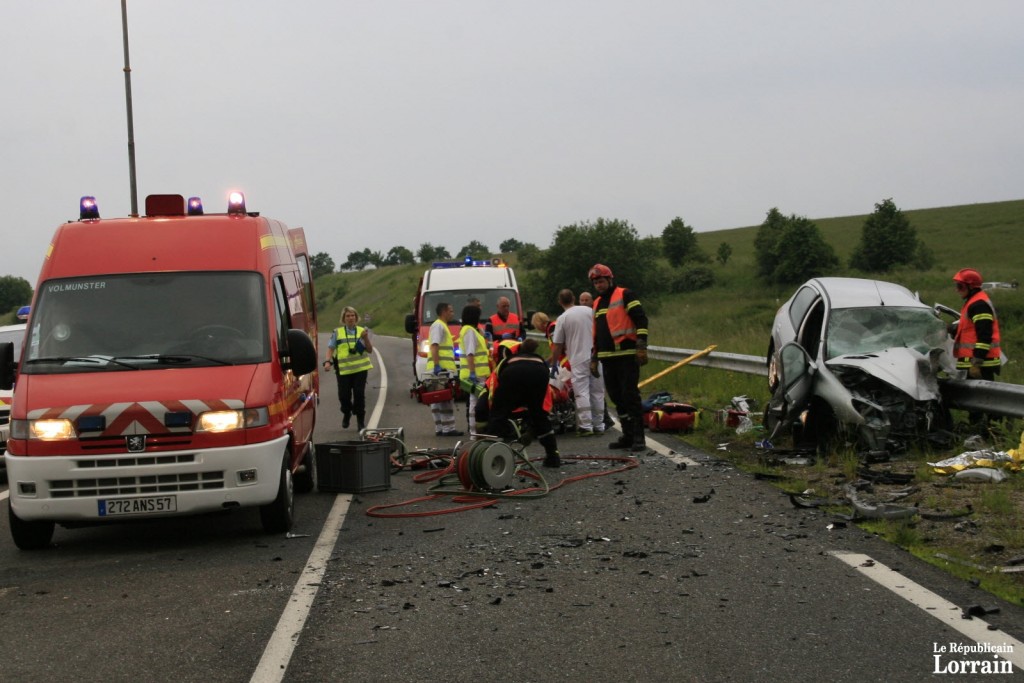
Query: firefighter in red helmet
{"type": "Point", "coordinates": [620, 345]}
{"type": "Point", "coordinates": [976, 339]}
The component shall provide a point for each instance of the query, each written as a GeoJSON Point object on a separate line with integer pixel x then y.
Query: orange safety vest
{"type": "Point", "coordinates": [499, 327]}
{"type": "Point", "coordinates": [966, 340]}
{"type": "Point", "coordinates": [620, 325]}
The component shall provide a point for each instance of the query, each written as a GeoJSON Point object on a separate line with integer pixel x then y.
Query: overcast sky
{"type": "Point", "coordinates": [383, 123]}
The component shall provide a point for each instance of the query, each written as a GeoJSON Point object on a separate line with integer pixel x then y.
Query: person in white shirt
{"type": "Point", "coordinates": [574, 339]}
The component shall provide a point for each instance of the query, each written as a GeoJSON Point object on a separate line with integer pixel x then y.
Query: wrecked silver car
{"type": "Point", "coordinates": [857, 360]}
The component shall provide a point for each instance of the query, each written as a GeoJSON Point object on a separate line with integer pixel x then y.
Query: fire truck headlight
{"type": "Point", "coordinates": [44, 430]}
{"type": "Point", "coordinates": [230, 420]}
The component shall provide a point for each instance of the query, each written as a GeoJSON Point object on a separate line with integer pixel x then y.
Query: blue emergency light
{"type": "Point", "coordinates": [87, 209]}
{"type": "Point", "coordinates": [23, 312]}
{"type": "Point", "coordinates": [469, 262]}
{"type": "Point", "coordinates": [236, 203]}
{"type": "Point", "coordinates": [195, 206]}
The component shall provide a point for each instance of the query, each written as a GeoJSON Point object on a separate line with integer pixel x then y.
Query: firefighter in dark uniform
{"type": "Point", "coordinates": [976, 344]}
{"type": "Point", "coordinates": [521, 381]}
{"type": "Point", "coordinates": [620, 345]}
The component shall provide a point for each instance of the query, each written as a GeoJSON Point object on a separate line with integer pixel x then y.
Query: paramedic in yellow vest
{"type": "Point", "coordinates": [976, 341]}
{"type": "Point", "coordinates": [620, 345]}
{"type": "Point", "coordinates": [442, 360]}
{"type": "Point", "coordinates": [474, 361]}
{"type": "Point", "coordinates": [349, 352]}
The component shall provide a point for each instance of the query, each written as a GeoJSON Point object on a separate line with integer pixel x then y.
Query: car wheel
{"type": "Point", "coordinates": [773, 372]}
{"type": "Point", "coordinates": [821, 430]}
{"type": "Point", "coordinates": [305, 478]}
{"type": "Point", "coordinates": [27, 535]}
{"type": "Point", "coordinates": [277, 517]}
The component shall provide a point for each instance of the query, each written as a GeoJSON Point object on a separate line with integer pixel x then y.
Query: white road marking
{"type": "Point", "coordinates": [278, 652]}
{"type": "Point", "coordinates": [976, 629]}
{"type": "Point", "coordinates": [664, 450]}
{"type": "Point", "coordinates": [670, 454]}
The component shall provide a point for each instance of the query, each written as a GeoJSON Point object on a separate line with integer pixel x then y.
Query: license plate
{"type": "Point", "coordinates": [137, 506]}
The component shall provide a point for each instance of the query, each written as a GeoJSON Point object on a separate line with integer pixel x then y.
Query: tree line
{"type": "Point", "coordinates": [322, 263]}
{"type": "Point", "coordinates": [788, 250]}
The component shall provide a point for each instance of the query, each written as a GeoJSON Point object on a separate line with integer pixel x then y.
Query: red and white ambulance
{"type": "Point", "coordinates": [169, 368]}
{"type": "Point", "coordinates": [458, 283]}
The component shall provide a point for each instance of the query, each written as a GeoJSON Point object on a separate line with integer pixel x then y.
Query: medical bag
{"type": "Point", "coordinates": [672, 417]}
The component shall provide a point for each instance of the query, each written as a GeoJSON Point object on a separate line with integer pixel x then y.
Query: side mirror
{"type": "Point", "coordinates": [301, 352]}
{"type": "Point", "coordinates": [7, 365]}
{"type": "Point", "coordinates": [410, 323]}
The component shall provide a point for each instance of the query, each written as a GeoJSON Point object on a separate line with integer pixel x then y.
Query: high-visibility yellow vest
{"type": "Point", "coordinates": [481, 363]}
{"type": "Point", "coordinates": [445, 350]}
{"type": "Point", "coordinates": [347, 361]}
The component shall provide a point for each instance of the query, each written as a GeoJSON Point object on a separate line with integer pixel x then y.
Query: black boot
{"type": "Point", "coordinates": [360, 421]}
{"type": "Point", "coordinates": [639, 443]}
{"type": "Point", "coordinates": [552, 459]}
{"type": "Point", "coordinates": [626, 440]}
{"type": "Point", "coordinates": [346, 419]}
{"type": "Point", "coordinates": [551, 456]}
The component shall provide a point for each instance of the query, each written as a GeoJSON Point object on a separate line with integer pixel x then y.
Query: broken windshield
{"type": "Point", "coordinates": [867, 330]}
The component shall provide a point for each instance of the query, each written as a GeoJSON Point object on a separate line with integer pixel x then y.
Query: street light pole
{"type": "Point", "coordinates": [128, 100]}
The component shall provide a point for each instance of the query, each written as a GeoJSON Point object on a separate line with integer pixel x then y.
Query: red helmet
{"type": "Point", "coordinates": [600, 270]}
{"type": "Point", "coordinates": [969, 277]}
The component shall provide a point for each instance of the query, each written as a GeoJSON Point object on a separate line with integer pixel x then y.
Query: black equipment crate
{"type": "Point", "coordinates": [353, 466]}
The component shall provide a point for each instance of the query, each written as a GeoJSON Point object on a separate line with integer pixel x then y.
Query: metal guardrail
{"type": "Point", "coordinates": [751, 365]}
{"type": "Point", "coordinates": [982, 396]}
{"type": "Point", "coordinates": [975, 395]}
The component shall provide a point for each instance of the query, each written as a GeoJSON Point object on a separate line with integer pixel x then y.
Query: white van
{"type": "Point", "coordinates": [458, 283]}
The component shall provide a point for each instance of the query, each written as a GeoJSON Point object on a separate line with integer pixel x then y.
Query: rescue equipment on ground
{"type": "Point", "coordinates": [482, 471]}
{"type": "Point", "coordinates": [353, 466]}
{"type": "Point", "coordinates": [672, 416]}
{"type": "Point", "coordinates": [431, 389]}
{"type": "Point", "coordinates": [485, 465]}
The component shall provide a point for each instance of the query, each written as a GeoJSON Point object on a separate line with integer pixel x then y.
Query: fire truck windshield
{"type": "Point", "coordinates": [121, 322]}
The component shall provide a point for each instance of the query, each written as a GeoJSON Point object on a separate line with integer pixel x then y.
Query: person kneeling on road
{"type": "Point", "coordinates": [521, 381]}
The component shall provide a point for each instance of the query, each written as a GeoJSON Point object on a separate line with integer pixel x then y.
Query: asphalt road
{"type": "Point", "coordinates": [658, 573]}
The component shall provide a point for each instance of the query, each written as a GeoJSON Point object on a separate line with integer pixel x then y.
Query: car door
{"type": "Point", "coordinates": [796, 381]}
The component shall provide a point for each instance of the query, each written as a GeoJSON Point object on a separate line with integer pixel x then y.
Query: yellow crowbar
{"type": "Point", "coordinates": [678, 365]}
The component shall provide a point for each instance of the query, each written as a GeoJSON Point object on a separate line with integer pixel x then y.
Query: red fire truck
{"type": "Point", "coordinates": [169, 368]}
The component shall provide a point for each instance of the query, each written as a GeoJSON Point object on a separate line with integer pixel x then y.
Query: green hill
{"type": "Point", "coordinates": [737, 313]}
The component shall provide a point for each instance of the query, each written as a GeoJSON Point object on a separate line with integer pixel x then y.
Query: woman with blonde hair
{"type": "Point", "coordinates": [348, 351]}
{"type": "Point", "coordinates": [542, 323]}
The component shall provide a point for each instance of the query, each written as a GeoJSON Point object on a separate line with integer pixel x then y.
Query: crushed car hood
{"type": "Point", "coordinates": [906, 370]}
